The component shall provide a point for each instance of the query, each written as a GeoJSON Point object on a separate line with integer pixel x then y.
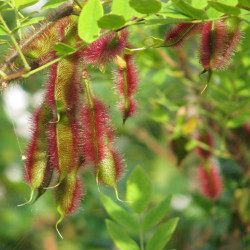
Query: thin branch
{"type": "Point", "coordinates": [26, 65]}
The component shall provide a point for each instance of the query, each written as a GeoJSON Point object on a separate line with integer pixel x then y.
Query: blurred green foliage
{"type": "Point", "coordinates": [168, 96]}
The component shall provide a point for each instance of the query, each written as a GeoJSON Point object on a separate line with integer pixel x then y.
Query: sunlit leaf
{"type": "Point", "coordinates": [146, 6]}
{"type": "Point", "coordinates": [21, 4]}
{"type": "Point", "coordinates": [119, 214]}
{"type": "Point", "coordinates": [53, 4]}
{"type": "Point", "coordinates": [120, 236]}
{"type": "Point", "coordinates": [155, 215]}
{"type": "Point", "coordinates": [88, 28]}
{"type": "Point", "coordinates": [111, 21]}
{"type": "Point", "coordinates": [139, 189]}
{"type": "Point", "coordinates": [162, 235]}
{"type": "Point", "coordinates": [122, 8]}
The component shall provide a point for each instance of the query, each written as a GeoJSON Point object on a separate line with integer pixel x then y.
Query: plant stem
{"type": "Point", "coordinates": [26, 65]}
{"type": "Point", "coordinates": [77, 3]}
{"type": "Point", "coordinates": [17, 20]}
{"type": "Point", "coordinates": [141, 233]}
{"type": "Point", "coordinates": [26, 75]}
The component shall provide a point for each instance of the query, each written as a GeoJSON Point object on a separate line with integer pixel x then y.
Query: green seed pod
{"type": "Point", "coordinates": [52, 33]}
{"type": "Point", "coordinates": [68, 196]}
{"type": "Point", "coordinates": [65, 146]}
{"type": "Point", "coordinates": [37, 156]}
{"type": "Point", "coordinates": [110, 169]}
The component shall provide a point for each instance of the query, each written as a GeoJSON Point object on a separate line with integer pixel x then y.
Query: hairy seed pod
{"type": "Point", "coordinates": [46, 181]}
{"type": "Point", "coordinates": [95, 120]}
{"type": "Point", "coordinates": [110, 168]}
{"type": "Point", "coordinates": [212, 38]}
{"type": "Point", "coordinates": [232, 39]}
{"type": "Point", "coordinates": [37, 164]}
{"type": "Point", "coordinates": [218, 41]}
{"type": "Point", "coordinates": [63, 97]}
{"type": "Point", "coordinates": [179, 34]}
{"type": "Point", "coordinates": [126, 84]}
{"type": "Point", "coordinates": [105, 49]}
{"type": "Point", "coordinates": [43, 43]}
{"type": "Point", "coordinates": [38, 45]}
{"type": "Point", "coordinates": [210, 180]}
{"type": "Point", "coordinates": [68, 195]}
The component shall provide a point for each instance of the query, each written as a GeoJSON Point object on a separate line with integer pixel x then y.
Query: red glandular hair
{"type": "Point", "coordinates": [180, 33]}
{"type": "Point", "coordinates": [105, 49]}
{"type": "Point", "coordinates": [119, 164]}
{"type": "Point", "coordinates": [126, 84]}
{"type": "Point", "coordinates": [210, 181]}
{"type": "Point", "coordinates": [206, 138]}
{"type": "Point", "coordinates": [37, 153]}
{"type": "Point", "coordinates": [232, 39]}
{"type": "Point", "coordinates": [218, 42]}
{"type": "Point", "coordinates": [69, 194]}
{"type": "Point", "coordinates": [212, 44]}
{"type": "Point", "coordinates": [95, 124]}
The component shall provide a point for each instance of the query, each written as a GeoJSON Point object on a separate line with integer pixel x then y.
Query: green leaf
{"type": "Point", "coordinates": [120, 236]}
{"type": "Point", "coordinates": [111, 21]}
{"type": "Point", "coordinates": [159, 114]}
{"type": "Point", "coordinates": [191, 145]}
{"type": "Point", "coordinates": [173, 13]}
{"type": "Point", "coordinates": [213, 13]}
{"type": "Point", "coordinates": [162, 235]}
{"type": "Point", "coordinates": [245, 3]}
{"type": "Point", "coordinates": [155, 215]}
{"type": "Point", "coordinates": [237, 122]}
{"type": "Point", "coordinates": [226, 9]}
{"type": "Point", "coordinates": [146, 6]}
{"type": "Point", "coordinates": [3, 32]}
{"type": "Point", "coordinates": [119, 214]}
{"type": "Point", "coordinates": [228, 2]}
{"type": "Point", "coordinates": [53, 4]}
{"type": "Point", "coordinates": [122, 8]}
{"type": "Point", "coordinates": [199, 4]}
{"type": "Point", "coordinates": [190, 10]}
{"type": "Point", "coordinates": [63, 49]}
{"type": "Point", "coordinates": [21, 4]}
{"type": "Point", "coordinates": [28, 22]}
{"type": "Point", "coordinates": [88, 28]}
{"type": "Point", "coordinates": [150, 42]}
{"type": "Point", "coordinates": [139, 189]}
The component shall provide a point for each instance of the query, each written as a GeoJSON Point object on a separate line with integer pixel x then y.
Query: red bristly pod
{"type": "Point", "coordinates": [210, 180]}
{"type": "Point", "coordinates": [110, 168]}
{"type": "Point", "coordinates": [126, 84]}
{"type": "Point", "coordinates": [63, 98]}
{"type": "Point", "coordinates": [68, 195]}
{"type": "Point", "coordinates": [95, 119]}
{"type": "Point", "coordinates": [37, 164]}
{"type": "Point", "coordinates": [218, 41]}
{"type": "Point", "coordinates": [98, 137]}
{"type": "Point", "coordinates": [232, 39]}
{"type": "Point", "coordinates": [206, 138]}
{"type": "Point", "coordinates": [105, 49]}
{"type": "Point", "coordinates": [42, 44]}
{"type": "Point", "coordinates": [180, 33]}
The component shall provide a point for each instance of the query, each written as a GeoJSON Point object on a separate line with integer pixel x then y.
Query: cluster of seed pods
{"type": "Point", "coordinates": [218, 40]}
{"type": "Point", "coordinates": [72, 128]}
{"type": "Point", "coordinates": [209, 176]}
